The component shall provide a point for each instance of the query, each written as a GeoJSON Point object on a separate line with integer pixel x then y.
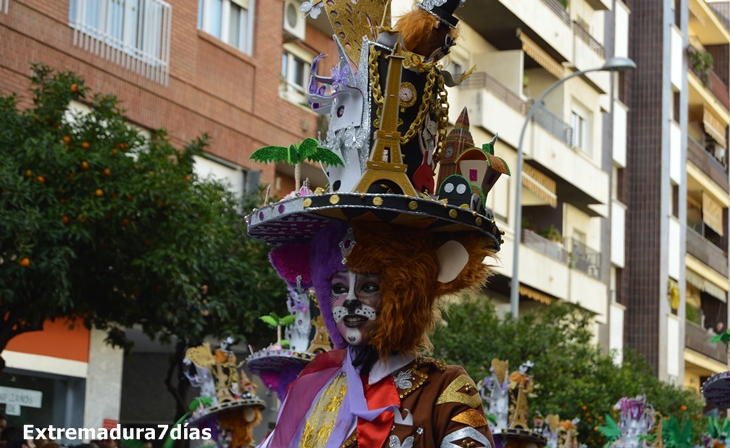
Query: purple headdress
{"type": "Point", "coordinates": [326, 261]}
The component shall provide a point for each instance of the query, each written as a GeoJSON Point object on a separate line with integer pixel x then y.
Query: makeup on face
{"type": "Point", "coordinates": [355, 301]}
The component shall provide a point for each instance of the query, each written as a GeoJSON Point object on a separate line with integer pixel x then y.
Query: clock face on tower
{"type": "Point", "coordinates": [449, 152]}
{"type": "Point", "coordinates": [407, 94]}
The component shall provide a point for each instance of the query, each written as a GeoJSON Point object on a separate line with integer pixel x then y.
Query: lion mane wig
{"type": "Point", "coordinates": [407, 262]}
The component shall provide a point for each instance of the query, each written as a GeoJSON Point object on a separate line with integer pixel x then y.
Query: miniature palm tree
{"type": "Point", "coordinates": [296, 154]}
{"type": "Point", "coordinates": [274, 321]}
{"type": "Point", "coordinates": [611, 431]}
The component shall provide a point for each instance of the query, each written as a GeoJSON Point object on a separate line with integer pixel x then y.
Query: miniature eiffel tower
{"type": "Point", "coordinates": [386, 161]}
{"type": "Point", "coordinates": [520, 413]}
{"type": "Point", "coordinates": [320, 342]}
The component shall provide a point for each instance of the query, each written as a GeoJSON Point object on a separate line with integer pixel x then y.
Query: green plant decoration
{"type": "Point", "coordinates": [274, 321]}
{"type": "Point", "coordinates": [296, 154]}
{"type": "Point", "coordinates": [677, 435]}
{"type": "Point", "coordinates": [610, 431]}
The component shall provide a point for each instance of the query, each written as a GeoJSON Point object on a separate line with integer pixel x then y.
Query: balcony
{"type": "Point", "coordinates": [707, 163]}
{"type": "Point", "coordinates": [588, 53]}
{"type": "Point", "coordinates": [698, 339]}
{"type": "Point", "coordinates": [544, 246]}
{"type": "Point", "coordinates": [496, 108]}
{"type": "Point", "coordinates": [559, 10]}
{"type": "Point", "coordinates": [585, 259]}
{"type": "Point", "coordinates": [547, 119]}
{"type": "Point", "coordinates": [706, 252]}
{"type": "Point", "coordinates": [712, 82]}
{"type": "Point", "coordinates": [545, 21]}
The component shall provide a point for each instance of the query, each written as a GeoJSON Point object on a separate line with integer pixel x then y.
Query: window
{"type": "Point", "coordinates": [133, 33]}
{"type": "Point", "coordinates": [580, 131]}
{"type": "Point", "coordinates": [4, 6]}
{"type": "Point", "coordinates": [295, 69]}
{"type": "Point", "coordinates": [229, 20]}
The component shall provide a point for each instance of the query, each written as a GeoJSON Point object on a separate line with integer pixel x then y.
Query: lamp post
{"type": "Point", "coordinates": [611, 65]}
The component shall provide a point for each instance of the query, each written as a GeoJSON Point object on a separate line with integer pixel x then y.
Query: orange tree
{"type": "Point", "coordinates": [99, 223]}
{"type": "Point", "coordinates": [573, 377]}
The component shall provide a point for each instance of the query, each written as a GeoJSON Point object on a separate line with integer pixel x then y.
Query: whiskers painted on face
{"type": "Point", "coordinates": [340, 312]}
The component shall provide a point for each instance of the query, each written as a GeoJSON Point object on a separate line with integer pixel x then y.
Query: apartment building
{"type": "Point", "coordinates": [675, 183]}
{"type": "Point", "coordinates": [568, 249]}
{"type": "Point", "coordinates": [235, 69]}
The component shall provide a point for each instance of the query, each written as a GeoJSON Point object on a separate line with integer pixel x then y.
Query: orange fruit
{"type": "Point", "coordinates": [683, 407]}
{"type": "Point", "coordinates": [41, 179]}
{"type": "Point", "coordinates": [24, 262]}
{"type": "Point", "coordinates": [85, 165]}
{"type": "Point", "coordinates": [28, 173]}
{"type": "Point", "coordinates": [71, 177]}
{"type": "Point", "coordinates": [99, 192]}
{"type": "Point", "coordinates": [67, 139]}
{"type": "Point", "coordinates": [74, 88]}
{"type": "Point", "coordinates": [584, 407]}
{"type": "Point", "coordinates": [187, 177]}
{"type": "Point", "coordinates": [114, 150]}
{"type": "Point", "coordinates": [85, 145]}
{"type": "Point", "coordinates": [107, 172]}
{"type": "Point", "coordinates": [125, 222]}
{"type": "Point", "coordinates": [65, 219]}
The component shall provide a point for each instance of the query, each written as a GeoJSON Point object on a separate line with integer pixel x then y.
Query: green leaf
{"type": "Point", "coordinates": [611, 430]}
{"type": "Point", "coordinates": [284, 343]}
{"type": "Point", "coordinates": [287, 320]}
{"type": "Point", "coordinates": [270, 154]}
{"type": "Point", "coordinates": [270, 321]}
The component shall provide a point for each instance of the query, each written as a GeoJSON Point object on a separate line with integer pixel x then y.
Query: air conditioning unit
{"type": "Point", "coordinates": [295, 25]}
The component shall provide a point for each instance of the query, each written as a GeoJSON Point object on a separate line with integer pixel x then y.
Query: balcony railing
{"type": "Point", "coordinates": [544, 246]}
{"type": "Point", "coordinates": [585, 259]}
{"type": "Point", "coordinates": [698, 339]}
{"type": "Point", "coordinates": [542, 116]}
{"type": "Point", "coordinates": [588, 39]}
{"type": "Point", "coordinates": [482, 80]}
{"type": "Point", "coordinates": [705, 161]}
{"type": "Point", "coordinates": [713, 82]}
{"type": "Point", "coordinates": [134, 34]}
{"type": "Point", "coordinates": [555, 125]}
{"type": "Point", "coordinates": [706, 252]}
{"type": "Point", "coordinates": [558, 9]}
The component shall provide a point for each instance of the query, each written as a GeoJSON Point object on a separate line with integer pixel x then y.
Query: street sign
{"type": "Point", "coordinates": [20, 397]}
{"type": "Point", "coordinates": [12, 409]}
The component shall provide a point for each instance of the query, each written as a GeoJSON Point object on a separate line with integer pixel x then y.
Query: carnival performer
{"type": "Point", "coordinates": [380, 252]}
{"type": "Point", "coordinates": [379, 286]}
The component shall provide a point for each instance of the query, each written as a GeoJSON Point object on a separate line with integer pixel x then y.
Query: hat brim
{"type": "Point", "coordinates": [521, 435]}
{"type": "Point", "coordinates": [717, 389]}
{"type": "Point", "coordinates": [228, 405]}
{"type": "Point", "coordinates": [276, 360]}
{"type": "Point", "coordinates": [303, 217]}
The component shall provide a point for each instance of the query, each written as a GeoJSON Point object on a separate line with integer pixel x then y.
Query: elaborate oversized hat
{"type": "Point", "coordinates": [388, 113]}
{"type": "Point", "coordinates": [506, 395]}
{"type": "Point", "coordinates": [227, 400]}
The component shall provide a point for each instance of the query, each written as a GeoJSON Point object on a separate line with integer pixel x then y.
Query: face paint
{"type": "Point", "coordinates": [355, 301]}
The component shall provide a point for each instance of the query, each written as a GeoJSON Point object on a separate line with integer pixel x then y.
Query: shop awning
{"type": "Point", "coordinates": [712, 213]}
{"type": "Point", "coordinates": [714, 127]}
{"type": "Point", "coordinates": [706, 286]}
{"type": "Point", "coordinates": [540, 56]}
{"type": "Point", "coordinates": [539, 184]}
{"type": "Point", "coordinates": [535, 295]}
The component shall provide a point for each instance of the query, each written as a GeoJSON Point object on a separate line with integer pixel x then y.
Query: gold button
{"type": "Point", "coordinates": [334, 199]}
{"type": "Point", "coordinates": [453, 213]}
{"type": "Point", "coordinates": [413, 205]}
{"type": "Point", "coordinates": [378, 201]}
{"type": "Point", "coordinates": [479, 221]}
{"type": "Point", "coordinates": [307, 202]}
